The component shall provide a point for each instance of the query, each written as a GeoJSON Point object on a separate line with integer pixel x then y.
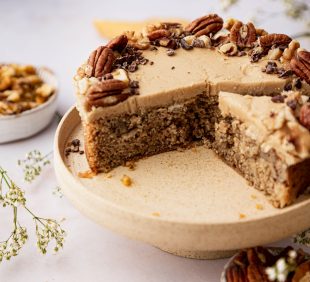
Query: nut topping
{"type": "Point", "coordinates": [274, 39]}
{"type": "Point", "coordinates": [205, 25]}
{"type": "Point", "coordinates": [118, 43]}
{"type": "Point", "coordinates": [106, 93]}
{"type": "Point", "coordinates": [302, 273]}
{"type": "Point", "coordinates": [290, 51]}
{"type": "Point", "coordinates": [300, 64]}
{"type": "Point", "coordinates": [229, 49]}
{"type": "Point", "coordinates": [137, 40]}
{"type": "Point", "coordinates": [100, 62]}
{"type": "Point", "coordinates": [243, 35]}
{"type": "Point", "coordinates": [256, 273]}
{"type": "Point", "coordinates": [305, 115]}
{"type": "Point", "coordinates": [159, 33]}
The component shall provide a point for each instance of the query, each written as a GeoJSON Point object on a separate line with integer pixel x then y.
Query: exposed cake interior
{"type": "Point", "coordinates": [264, 141]}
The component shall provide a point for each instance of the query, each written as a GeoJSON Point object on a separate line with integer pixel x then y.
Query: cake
{"type": "Point", "coordinates": [158, 90]}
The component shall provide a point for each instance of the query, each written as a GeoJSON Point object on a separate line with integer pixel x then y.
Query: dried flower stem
{"type": "Point", "coordinates": [33, 163]}
{"type": "Point", "coordinates": [47, 230]}
{"type": "Point", "coordinates": [303, 238]}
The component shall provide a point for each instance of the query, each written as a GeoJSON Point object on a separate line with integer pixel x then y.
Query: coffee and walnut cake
{"type": "Point", "coordinates": [164, 89]}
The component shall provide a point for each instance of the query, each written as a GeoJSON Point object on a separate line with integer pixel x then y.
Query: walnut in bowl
{"type": "Point", "coordinates": [27, 100]}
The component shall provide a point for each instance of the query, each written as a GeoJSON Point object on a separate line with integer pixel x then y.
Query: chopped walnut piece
{"type": "Point", "coordinates": [229, 49]}
{"type": "Point", "coordinates": [290, 51]}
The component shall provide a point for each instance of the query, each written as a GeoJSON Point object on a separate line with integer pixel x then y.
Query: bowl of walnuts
{"type": "Point", "coordinates": [27, 100]}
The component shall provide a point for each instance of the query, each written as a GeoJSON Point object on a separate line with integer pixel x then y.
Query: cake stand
{"type": "Point", "coordinates": [188, 203]}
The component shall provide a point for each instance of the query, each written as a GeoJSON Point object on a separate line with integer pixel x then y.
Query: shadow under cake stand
{"type": "Point", "coordinates": [188, 203]}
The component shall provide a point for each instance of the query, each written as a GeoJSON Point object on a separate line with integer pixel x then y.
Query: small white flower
{"type": "Point", "coordinates": [292, 254]}
{"type": "Point", "coordinates": [281, 265]}
{"type": "Point", "coordinates": [282, 277]}
{"type": "Point", "coordinates": [271, 273]}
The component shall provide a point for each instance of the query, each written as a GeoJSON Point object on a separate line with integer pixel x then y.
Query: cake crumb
{"type": "Point", "coordinates": [108, 175]}
{"type": "Point", "coordinates": [242, 216]}
{"type": "Point", "coordinates": [156, 214]}
{"type": "Point", "coordinates": [131, 165]}
{"type": "Point", "coordinates": [126, 180]}
{"type": "Point", "coordinates": [86, 174]}
{"type": "Point", "coordinates": [259, 207]}
{"type": "Point", "coordinates": [253, 197]}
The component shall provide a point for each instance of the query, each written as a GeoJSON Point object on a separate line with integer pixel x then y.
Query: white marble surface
{"type": "Point", "coordinates": [60, 34]}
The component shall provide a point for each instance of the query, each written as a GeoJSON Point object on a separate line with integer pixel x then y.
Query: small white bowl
{"type": "Point", "coordinates": [28, 123]}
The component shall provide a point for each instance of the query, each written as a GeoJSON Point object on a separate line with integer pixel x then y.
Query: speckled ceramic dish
{"type": "Point", "coordinates": [28, 123]}
{"type": "Point", "coordinates": [187, 203]}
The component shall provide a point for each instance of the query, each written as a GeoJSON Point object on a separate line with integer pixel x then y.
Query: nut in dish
{"type": "Point", "coordinates": [22, 89]}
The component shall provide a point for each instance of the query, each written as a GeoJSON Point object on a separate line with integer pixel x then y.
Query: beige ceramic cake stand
{"type": "Point", "coordinates": [187, 203]}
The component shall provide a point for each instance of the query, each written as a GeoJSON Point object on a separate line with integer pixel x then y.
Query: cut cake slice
{"type": "Point", "coordinates": [264, 140]}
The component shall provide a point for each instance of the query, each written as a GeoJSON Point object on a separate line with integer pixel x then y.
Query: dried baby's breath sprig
{"type": "Point", "coordinates": [33, 164]}
{"type": "Point", "coordinates": [282, 268]}
{"type": "Point", "coordinates": [303, 238]}
{"type": "Point", "coordinates": [10, 247]}
{"type": "Point", "coordinates": [47, 230]}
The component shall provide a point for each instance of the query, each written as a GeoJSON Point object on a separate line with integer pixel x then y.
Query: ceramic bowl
{"type": "Point", "coordinates": [28, 123]}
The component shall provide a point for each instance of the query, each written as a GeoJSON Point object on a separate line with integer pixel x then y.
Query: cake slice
{"type": "Point", "coordinates": [268, 141]}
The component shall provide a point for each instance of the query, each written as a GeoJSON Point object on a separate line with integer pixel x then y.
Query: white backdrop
{"type": "Point", "coordinates": [60, 34]}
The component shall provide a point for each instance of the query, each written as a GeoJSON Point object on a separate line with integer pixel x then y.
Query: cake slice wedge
{"type": "Point", "coordinates": [268, 141]}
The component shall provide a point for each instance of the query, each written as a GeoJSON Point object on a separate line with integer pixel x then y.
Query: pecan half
{"type": "Point", "coordinates": [243, 35]}
{"type": "Point", "coordinates": [300, 64]}
{"type": "Point", "coordinates": [305, 115]}
{"type": "Point", "coordinates": [274, 39]}
{"type": "Point", "coordinates": [302, 271]}
{"type": "Point", "coordinates": [106, 93]}
{"type": "Point", "coordinates": [256, 273]}
{"type": "Point", "coordinates": [205, 25]}
{"type": "Point", "coordinates": [159, 33]}
{"type": "Point", "coordinates": [119, 43]}
{"type": "Point", "coordinates": [235, 273]}
{"type": "Point", "coordinates": [100, 62]}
